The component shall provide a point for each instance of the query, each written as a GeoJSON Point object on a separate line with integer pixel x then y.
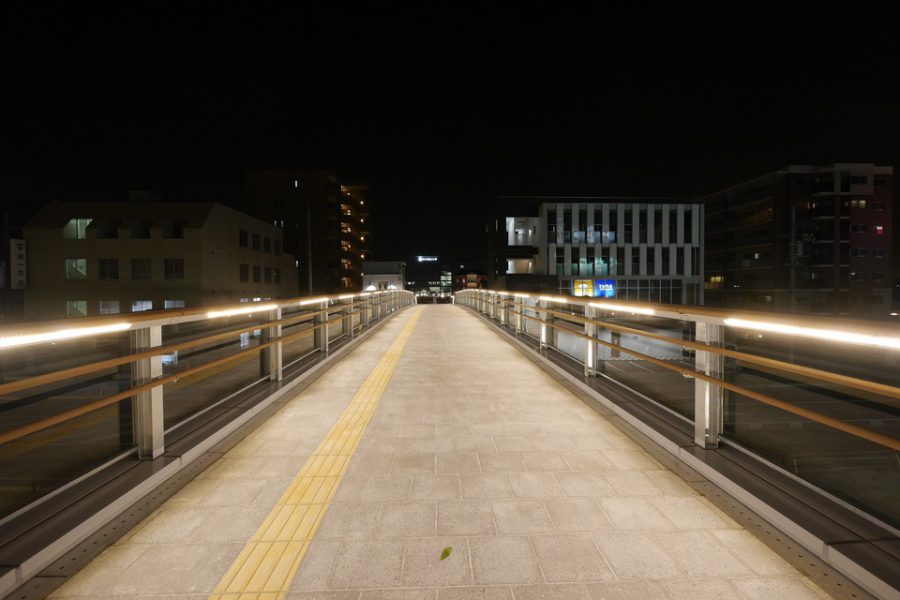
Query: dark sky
{"type": "Point", "coordinates": [439, 112]}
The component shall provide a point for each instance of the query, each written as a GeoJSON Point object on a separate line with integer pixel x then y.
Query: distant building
{"type": "Point", "coordinates": [111, 257]}
{"type": "Point", "coordinates": [383, 275]}
{"type": "Point", "coordinates": [13, 273]}
{"type": "Point", "coordinates": [628, 248]}
{"type": "Point", "coordinates": [468, 275]}
{"type": "Point", "coordinates": [429, 276]}
{"type": "Point", "coordinates": [326, 224]}
{"type": "Point", "coordinates": [803, 239]}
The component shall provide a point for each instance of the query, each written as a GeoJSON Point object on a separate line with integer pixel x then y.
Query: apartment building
{"type": "Point", "coordinates": [326, 224]}
{"type": "Point", "coordinates": [111, 257]}
{"type": "Point", "coordinates": [803, 239]}
{"type": "Point", "coordinates": [630, 248]}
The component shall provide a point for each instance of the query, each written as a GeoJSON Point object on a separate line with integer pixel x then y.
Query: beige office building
{"type": "Point", "coordinates": [111, 257]}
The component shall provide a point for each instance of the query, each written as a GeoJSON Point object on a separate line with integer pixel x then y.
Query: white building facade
{"type": "Point", "coordinates": [632, 250]}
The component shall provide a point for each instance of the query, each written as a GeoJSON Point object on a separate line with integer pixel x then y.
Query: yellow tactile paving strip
{"type": "Point", "coordinates": [267, 564]}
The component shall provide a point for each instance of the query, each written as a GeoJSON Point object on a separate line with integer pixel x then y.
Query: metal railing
{"type": "Point", "coordinates": [789, 389]}
{"type": "Point", "coordinates": [77, 393]}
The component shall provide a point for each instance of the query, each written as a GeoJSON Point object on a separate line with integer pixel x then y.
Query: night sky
{"type": "Point", "coordinates": [440, 113]}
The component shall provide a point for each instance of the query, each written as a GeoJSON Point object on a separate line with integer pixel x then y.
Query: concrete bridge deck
{"type": "Point", "coordinates": [436, 438]}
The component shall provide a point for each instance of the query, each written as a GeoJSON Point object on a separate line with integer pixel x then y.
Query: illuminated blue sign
{"type": "Point", "coordinates": [605, 288]}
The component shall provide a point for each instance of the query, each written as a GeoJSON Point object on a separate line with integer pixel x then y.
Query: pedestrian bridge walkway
{"type": "Point", "coordinates": [437, 460]}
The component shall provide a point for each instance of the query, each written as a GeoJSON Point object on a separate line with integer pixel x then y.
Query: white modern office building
{"type": "Point", "coordinates": [633, 249]}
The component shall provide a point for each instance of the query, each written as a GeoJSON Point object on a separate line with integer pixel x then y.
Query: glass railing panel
{"type": "Point", "coordinates": [197, 391]}
{"type": "Point", "coordinates": [653, 380]}
{"type": "Point", "coordinates": [40, 462]}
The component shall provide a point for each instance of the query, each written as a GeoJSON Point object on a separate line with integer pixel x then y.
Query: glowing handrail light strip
{"type": "Point", "coordinates": [831, 335]}
{"type": "Point", "coordinates": [250, 308]}
{"type": "Point", "coordinates": [552, 299]}
{"type": "Point", "coordinates": [62, 334]}
{"type": "Point", "coordinates": [314, 301]}
{"type": "Point", "coordinates": [518, 295]}
{"type": "Point", "coordinates": [621, 307]}
{"type": "Point", "coordinates": [346, 296]}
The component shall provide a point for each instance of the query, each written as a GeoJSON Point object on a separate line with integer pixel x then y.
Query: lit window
{"type": "Point", "coordinates": [76, 308]}
{"type": "Point", "coordinates": [879, 230]}
{"type": "Point", "coordinates": [76, 229]}
{"type": "Point", "coordinates": [141, 305]}
{"type": "Point", "coordinates": [76, 268]}
{"type": "Point", "coordinates": [109, 307]}
{"type": "Point", "coordinates": [173, 303]}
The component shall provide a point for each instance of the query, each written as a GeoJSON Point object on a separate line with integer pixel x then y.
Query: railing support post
{"type": "Point", "coordinates": [546, 329]}
{"type": "Point", "coordinates": [147, 420]}
{"type": "Point", "coordinates": [320, 337]}
{"type": "Point", "coordinates": [347, 318]}
{"type": "Point", "coordinates": [708, 397]}
{"type": "Point", "coordinates": [520, 308]}
{"type": "Point", "coordinates": [590, 346]}
{"type": "Point", "coordinates": [270, 359]}
{"type": "Point", "coordinates": [504, 310]}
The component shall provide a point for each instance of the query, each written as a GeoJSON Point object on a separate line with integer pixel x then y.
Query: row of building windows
{"type": "Point", "coordinates": [874, 205]}
{"type": "Point", "coordinates": [108, 268]}
{"type": "Point", "coordinates": [267, 274]}
{"type": "Point", "coordinates": [608, 232]}
{"type": "Point", "coordinates": [108, 229]}
{"type": "Point", "coordinates": [268, 245]}
{"type": "Point", "coordinates": [79, 308]}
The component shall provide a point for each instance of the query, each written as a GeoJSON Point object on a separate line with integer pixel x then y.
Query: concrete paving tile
{"type": "Point", "coordinates": [468, 517]}
{"type": "Point", "coordinates": [422, 564]}
{"type": "Point", "coordinates": [98, 576]}
{"type": "Point", "coordinates": [577, 514]}
{"type": "Point", "coordinates": [387, 488]}
{"type": "Point", "coordinates": [753, 553]}
{"type": "Point", "coordinates": [407, 519]}
{"type": "Point", "coordinates": [699, 554]}
{"type": "Point", "coordinates": [635, 556]}
{"type": "Point", "coordinates": [475, 592]}
{"type": "Point", "coordinates": [553, 443]}
{"type": "Point", "coordinates": [565, 591]}
{"type": "Point", "coordinates": [521, 516]}
{"type": "Point", "coordinates": [504, 559]}
{"type": "Point", "coordinates": [534, 485]}
{"type": "Point", "coordinates": [544, 461]}
{"type": "Point", "coordinates": [634, 513]}
{"type": "Point", "coordinates": [587, 460]}
{"type": "Point", "coordinates": [458, 462]}
{"type": "Point", "coordinates": [591, 442]}
{"type": "Point", "coordinates": [506, 443]}
{"type": "Point", "coordinates": [631, 483]}
{"type": "Point", "coordinates": [670, 483]}
{"type": "Point", "coordinates": [399, 594]}
{"type": "Point", "coordinates": [351, 488]}
{"type": "Point", "coordinates": [453, 430]}
{"type": "Point", "coordinates": [354, 595]}
{"type": "Point", "coordinates": [374, 463]}
{"type": "Point", "coordinates": [230, 524]}
{"type": "Point", "coordinates": [315, 569]}
{"type": "Point", "coordinates": [350, 520]}
{"type": "Point", "coordinates": [699, 589]}
{"type": "Point", "coordinates": [631, 590]}
{"type": "Point", "coordinates": [418, 463]}
{"type": "Point", "coordinates": [776, 588]}
{"type": "Point", "coordinates": [584, 484]}
{"type": "Point", "coordinates": [171, 523]}
{"type": "Point", "coordinates": [688, 513]}
{"type": "Point", "coordinates": [367, 565]}
{"type": "Point", "coordinates": [631, 459]}
{"type": "Point", "coordinates": [485, 485]}
{"type": "Point", "coordinates": [498, 462]}
{"type": "Point", "coordinates": [435, 488]}
{"type": "Point", "coordinates": [570, 558]}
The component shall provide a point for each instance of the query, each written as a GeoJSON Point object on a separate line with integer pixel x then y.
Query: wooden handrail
{"type": "Point", "coordinates": [19, 432]}
{"type": "Point", "coordinates": [870, 436]}
{"type": "Point", "coordinates": [57, 376]}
